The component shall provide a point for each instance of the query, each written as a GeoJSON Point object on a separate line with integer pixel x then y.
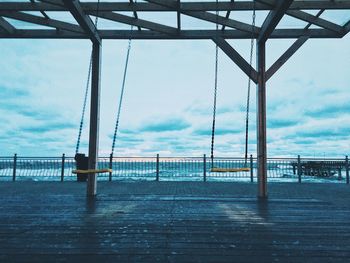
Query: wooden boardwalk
{"type": "Point", "coordinates": [174, 222]}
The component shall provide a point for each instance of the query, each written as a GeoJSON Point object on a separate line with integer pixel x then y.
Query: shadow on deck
{"type": "Point", "coordinates": [174, 222]}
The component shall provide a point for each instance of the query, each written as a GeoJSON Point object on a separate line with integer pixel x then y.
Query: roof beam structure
{"type": "Point", "coordinates": [200, 11]}
{"type": "Point", "coordinates": [6, 26]}
{"type": "Point", "coordinates": [237, 58]}
{"type": "Point", "coordinates": [83, 20]}
{"type": "Point", "coordinates": [273, 18]}
{"type": "Point", "coordinates": [117, 6]}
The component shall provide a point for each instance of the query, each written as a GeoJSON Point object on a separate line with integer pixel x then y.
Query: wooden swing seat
{"type": "Point", "coordinates": [229, 170]}
{"type": "Point", "coordinates": [95, 171]}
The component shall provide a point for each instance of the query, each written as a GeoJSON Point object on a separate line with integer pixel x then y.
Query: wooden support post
{"type": "Point", "coordinates": [339, 174]}
{"type": "Point", "coordinates": [62, 167]}
{"type": "Point", "coordinates": [299, 170]}
{"type": "Point", "coordinates": [204, 168]}
{"type": "Point", "coordinates": [347, 170]}
{"type": "Point", "coordinates": [14, 167]}
{"type": "Point", "coordinates": [94, 118]}
{"type": "Point", "coordinates": [251, 169]}
{"type": "Point", "coordinates": [261, 121]}
{"type": "Point", "coordinates": [110, 166]}
{"type": "Point", "coordinates": [157, 168]}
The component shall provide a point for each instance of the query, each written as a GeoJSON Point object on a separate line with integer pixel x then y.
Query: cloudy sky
{"type": "Point", "coordinates": [168, 99]}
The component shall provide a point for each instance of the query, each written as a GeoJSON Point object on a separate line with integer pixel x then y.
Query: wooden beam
{"type": "Point", "coordinates": [185, 6]}
{"type": "Point", "coordinates": [135, 13]}
{"type": "Point", "coordinates": [83, 20]}
{"type": "Point", "coordinates": [6, 26]}
{"type": "Point", "coordinates": [178, 15]}
{"type": "Point", "coordinates": [273, 18]}
{"type": "Point", "coordinates": [227, 16]}
{"type": "Point", "coordinates": [316, 21]}
{"type": "Point", "coordinates": [94, 118]}
{"type": "Point", "coordinates": [236, 58]}
{"type": "Point", "coordinates": [136, 22]}
{"type": "Point", "coordinates": [347, 27]}
{"type": "Point", "coordinates": [184, 34]}
{"type": "Point", "coordinates": [207, 16]}
{"type": "Point", "coordinates": [286, 55]}
{"type": "Point", "coordinates": [42, 21]}
{"type": "Point", "coordinates": [261, 121]}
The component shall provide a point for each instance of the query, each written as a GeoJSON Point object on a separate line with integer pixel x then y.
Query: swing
{"type": "Point", "coordinates": [239, 169]}
{"type": "Point", "coordinates": [81, 160]}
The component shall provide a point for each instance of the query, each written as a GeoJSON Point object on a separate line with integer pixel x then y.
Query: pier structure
{"type": "Point", "coordinates": [230, 28]}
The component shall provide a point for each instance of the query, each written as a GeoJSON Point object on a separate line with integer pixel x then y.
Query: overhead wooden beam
{"type": "Point", "coordinates": [286, 55]}
{"type": "Point", "coordinates": [347, 27]}
{"type": "Point", "coordinates": [185, 6]}
{"type": "Point", "coordinates": [83, 20]}
{"type": "Point", "coordinates": [208, 17]}
{"type": "Point", "coordinates": [135, 13]}
{"type": "Point", "coordinates": [184, 34]}
{"type": "Point", "coordinates": [273, 18]}
{"type": "Point", "coordinates": [236, 58]}
{"type": "Point", "coordinates": [6, 26]}
{"type": "Point", "coordinates": [316, 21]}
{"type": "Point", "coordinates": [228, 13]}
{"type": "Point", "coordinates": [178, 15]}
{"type": "Point", "coordinates": [136, 22]}
{"type": "Point", "coordinates": [42, 21]}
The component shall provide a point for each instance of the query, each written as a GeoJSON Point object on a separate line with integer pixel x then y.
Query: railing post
{"type": "Point", "coordinates": [299, 169]}
{"type": "Point", "coordinates": [204, 168]}
{"type": "Point", "coordinates": [14, 167]}
{"type": "Point", "coordinates": [110, 166]}
{"type": "Point", "coordinates": [347, 169]}
{"type": "Point", "coordinates": [62, 167]}
{"type": "Point", "coordinates": [157, 168]}
{"type": "Point", "coordinates": [251, 169]}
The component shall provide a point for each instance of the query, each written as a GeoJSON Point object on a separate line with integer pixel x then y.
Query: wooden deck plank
{"type": "Point", "coordinates": [174, 222]}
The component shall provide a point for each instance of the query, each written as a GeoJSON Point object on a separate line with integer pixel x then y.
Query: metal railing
{"type": "Point", "coordinates": [178, 169]}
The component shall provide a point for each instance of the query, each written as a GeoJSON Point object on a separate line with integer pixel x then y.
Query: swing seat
{"type": "Point", "coordinates": [95, 171]}
{"type": "Point", "coordinates": [229, 170]}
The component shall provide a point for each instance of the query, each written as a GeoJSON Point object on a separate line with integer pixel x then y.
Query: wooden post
{"type": "Point", "coordinates": [251, 169]}
{"type": "Point", "coordinates": [157, 168]}
{"type": "Point", "coordinates": [94, 118]}
{"type": "Point", "coordinates": [299, 170]}
{"type": "Point", "coordinates": [14, 167]}
{"type": "Point", "coordinates": [261, 121]}
{"type": "Point", "coordinates": [339, 174]}
{"type": "Point", "coordinates": [62, 167]}
{"type": "Point", "coordinates": [110, 166]}
{"type": "Point", "coordinates": [347, 169]}
{"type": "Point", "coordinates": [204, 168]}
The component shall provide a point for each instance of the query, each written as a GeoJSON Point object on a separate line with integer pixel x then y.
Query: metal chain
{"type": "Point", "coordinates": [249, 84]}
{"type": "Point", "coordinates": [86, 89]}
{"type": "Point", "coordinates": [122, 93]}
{"type": "Point", "coordinates": [215, 89]}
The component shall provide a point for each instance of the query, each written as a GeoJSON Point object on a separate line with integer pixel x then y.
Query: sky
{"type": "Point", "coordinates": [168, 101]}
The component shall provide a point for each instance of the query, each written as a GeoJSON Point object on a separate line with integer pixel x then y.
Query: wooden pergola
{"type": "Point", "coordinates": [309, 11]}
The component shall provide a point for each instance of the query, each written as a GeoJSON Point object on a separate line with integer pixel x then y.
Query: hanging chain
{"type": "Point", "coordinates": [215, 88]}
{"type": "Point", "coordinates": [87, 88]}
{"type": "Point", "coordinates": [122, 92]}
{"type": "Point", "coordinates": [249, 84]}
{"type": "Point", "coordinates": [84, 107]}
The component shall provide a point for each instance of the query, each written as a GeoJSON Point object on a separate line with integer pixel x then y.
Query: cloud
{"type": "Point", "coordinates": [281, 123]}
{"type": "Point", "coordinates": [49, 127]}
{"type": "Point", "coordinates": [10, 93]}
{"type": "Point", "coordinates": [220, 131]}
{"type": "Point", "coordinates": [329, 111]}
{"type": "Point", "coordinates": [166, 125]}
